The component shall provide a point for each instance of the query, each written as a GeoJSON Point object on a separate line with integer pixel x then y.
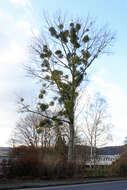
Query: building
{"type": "Point", "coordinates": [4, 152]}
{"type": "Point", "coordinates": [106, 156]}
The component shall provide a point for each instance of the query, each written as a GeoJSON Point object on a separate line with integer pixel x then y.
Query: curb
{"type": "Point", "coordinates": [25, 186]}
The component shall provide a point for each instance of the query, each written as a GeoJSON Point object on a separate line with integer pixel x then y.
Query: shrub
{"type": "Point", "coordinates": [40, 162]}
{"type": "Point", "coordinates": [98, 171]}
{"type": "Point", "coordinates": [119, 167]}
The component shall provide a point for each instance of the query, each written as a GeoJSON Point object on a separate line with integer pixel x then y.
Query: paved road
{"type": "Point", "coordinates": [116, 185]}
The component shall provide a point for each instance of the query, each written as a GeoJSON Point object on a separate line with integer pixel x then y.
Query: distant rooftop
{"type": "Point", "coordinates": [111, 150]}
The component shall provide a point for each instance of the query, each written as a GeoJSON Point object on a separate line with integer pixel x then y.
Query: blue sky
{"type": "Point", "coordinates": [20, 18]}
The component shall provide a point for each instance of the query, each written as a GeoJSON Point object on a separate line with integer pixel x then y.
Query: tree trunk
{"type": "Point", "coordinates": [71, 147]}
{"type": "Point", "coordinates": [91, 155]}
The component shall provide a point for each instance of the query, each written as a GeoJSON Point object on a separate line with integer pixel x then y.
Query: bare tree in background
{"type": "Point", "coordinates": [96, 124]}
{"type": "Point", "coordinates": [28, 133]}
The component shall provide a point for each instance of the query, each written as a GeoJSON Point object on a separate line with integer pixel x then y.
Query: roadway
{"type": "Point", "coordinates": [115, 185]}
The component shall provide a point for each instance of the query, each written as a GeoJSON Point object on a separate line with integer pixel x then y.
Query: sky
{"type": "Point", "coordinates": [20, 19]}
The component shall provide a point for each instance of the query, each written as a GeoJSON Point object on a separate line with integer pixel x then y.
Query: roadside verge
{"type": "Point", "coordinates": [32, 184]}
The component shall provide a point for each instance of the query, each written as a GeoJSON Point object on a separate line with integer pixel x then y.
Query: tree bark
{"type": "Point", "coordinates": [71, 147]}
{"type": "Point", "coordinates": [91, 155]}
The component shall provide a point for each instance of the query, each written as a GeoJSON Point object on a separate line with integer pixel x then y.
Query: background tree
{"type": "Point", "coordinates": [62, 59]}
{"type": "Point", "coordinates": [27, 132]}
{"type": "Point", "coordinates": [96, 124]}
{"type": "Point", "coordinates": [125, 141]}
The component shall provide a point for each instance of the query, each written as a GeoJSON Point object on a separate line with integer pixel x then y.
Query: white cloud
{"type": "Point", "coordinates": [13, 54]}
{"type": "Point", "coordinates": [24, 25]}
{"type": "Point", "coordinates": [35, 32]}
{"type": "Point", "coordinates": [27, 28]}
{"type": "Point", "coordinates": [116, 98]}
{"type": "Point", "coordinates": [21, 2]}
{"type": "Point", "coordinates": [5, 135]}
{"type": "Point", "coordinates": [14, 35]}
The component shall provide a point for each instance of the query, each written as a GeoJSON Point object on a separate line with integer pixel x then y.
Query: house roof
{"type": "Point", "coordinates": [111, 150]}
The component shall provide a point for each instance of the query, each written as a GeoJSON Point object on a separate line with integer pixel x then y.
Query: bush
{"type": "Point", "coordinates": [44, 163]}
{"type": "Point", "coordinates": [119, 167]}
{"type": "Point", "coordinates": [27, 165]}
{"type": "Point", "coordinates": [98, 171]}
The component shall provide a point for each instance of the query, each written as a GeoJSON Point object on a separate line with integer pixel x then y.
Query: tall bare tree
{"type": "Point", "coordinates": [61, 62]}
{"type": "Point", "coordinates": [96, 124]}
